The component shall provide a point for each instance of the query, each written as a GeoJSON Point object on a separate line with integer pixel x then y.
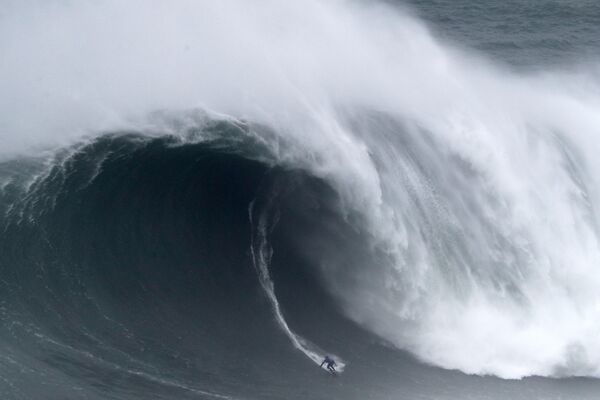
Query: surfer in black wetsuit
{"type": "Point", "coordinates": [330, 364]}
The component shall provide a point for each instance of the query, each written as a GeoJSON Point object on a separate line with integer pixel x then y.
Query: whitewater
{"type": "Point", "coordinates": [464, 188]}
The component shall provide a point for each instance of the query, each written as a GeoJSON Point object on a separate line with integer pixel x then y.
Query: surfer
{"type": "Point", "coordinates": [330, 364]}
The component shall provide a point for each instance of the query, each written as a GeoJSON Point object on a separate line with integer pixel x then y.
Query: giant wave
{"type": "Point", "coordinates": [333, 151]}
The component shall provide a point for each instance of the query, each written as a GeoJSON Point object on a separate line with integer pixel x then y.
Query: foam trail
{"type": "Point", "coordinates": [261, 258]}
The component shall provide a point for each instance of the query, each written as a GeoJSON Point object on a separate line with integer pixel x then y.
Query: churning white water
{"type": "Point", "coordinates": [478, 184]}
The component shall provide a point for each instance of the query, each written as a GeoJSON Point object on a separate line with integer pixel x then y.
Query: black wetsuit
{"type": "Point", "coordinates": [330, 363]}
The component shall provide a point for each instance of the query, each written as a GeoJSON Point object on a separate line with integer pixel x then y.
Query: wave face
{"type": "Point", "coordinates": [127, 269]}
{"type": "Point", "coordinates": [312, 169]}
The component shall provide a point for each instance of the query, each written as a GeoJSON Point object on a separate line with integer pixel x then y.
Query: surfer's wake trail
{"type": "Point", "coordinates": [203, 209]}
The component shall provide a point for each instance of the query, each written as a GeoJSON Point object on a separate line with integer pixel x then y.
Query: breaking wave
{"type": "Point", "coordinates": [444, 204]}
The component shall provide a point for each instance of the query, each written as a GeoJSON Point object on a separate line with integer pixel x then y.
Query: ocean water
{"type": "Point", "coordinates": [538, 35]}
{"type": "Point", "coordinates": [201, 200]}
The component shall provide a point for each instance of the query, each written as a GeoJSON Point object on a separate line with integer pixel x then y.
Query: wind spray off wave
{"type": "Point", "coordinates": [476, 186]}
